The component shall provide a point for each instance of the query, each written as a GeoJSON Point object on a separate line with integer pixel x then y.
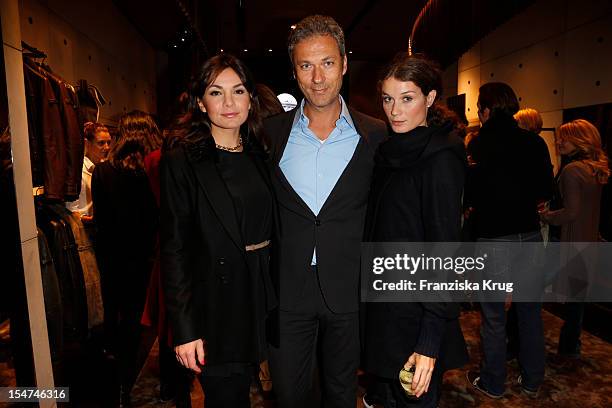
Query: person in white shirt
{"type": "Point", "coordinates": [97, 146]}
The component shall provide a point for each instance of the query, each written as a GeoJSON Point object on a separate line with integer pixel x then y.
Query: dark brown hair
{"type": "Point", "coordinates": [316, 25]}
{"type": "Point", "coordinates": [425, 74]}
{"type": "Point", "coordinates": [138, 136]}
{"type": "Point", "coordinates": [499, 98]}
{"type": "Point", "coordinates": [268, 102]}
{"type": "Point", "coordinates": [194, 127]}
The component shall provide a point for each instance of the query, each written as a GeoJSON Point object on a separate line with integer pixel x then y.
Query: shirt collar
{"type": "Point", "coordinates": [345, 115]}
{"type": "Point", "coordinates": [88, 164]}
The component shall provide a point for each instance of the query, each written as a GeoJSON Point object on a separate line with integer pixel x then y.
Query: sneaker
{"type": "Point", "coordinates": [531, 393]}
{"type": "Point", "coordinates": [473, 378]}
{"type": "Point", "coordinates": [366, 404]}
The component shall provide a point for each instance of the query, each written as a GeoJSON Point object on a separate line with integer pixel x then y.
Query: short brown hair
{"type": "Point", "coordinates": [499, 98]}
{"type": "Point", "coordinates": [316, 25]}
{"type": "Point", "coordinates": [91, 128]}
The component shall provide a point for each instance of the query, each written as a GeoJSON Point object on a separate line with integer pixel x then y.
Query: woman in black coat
{"type": "Point", "coordinates": [415, 197]}
{"type": "Point", "coordinates": [126, 218]}
{"type": "Point", "coordinates": [216, 222]}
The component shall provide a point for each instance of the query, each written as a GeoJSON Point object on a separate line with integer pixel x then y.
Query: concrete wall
{"type": "Point", "coordinates": [555, 55]}
{"type": "Point", "coordinates": [94, 41]}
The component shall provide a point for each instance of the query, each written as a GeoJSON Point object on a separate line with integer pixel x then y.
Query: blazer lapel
{"type": "Point", "coordinates": [345, 174]}
{"type": "Point", "coordinates": [283, 134]}
{"type": "Point", "coordinates": [362, 131]}
{"type": "Point", "coordinates": [219, 198]}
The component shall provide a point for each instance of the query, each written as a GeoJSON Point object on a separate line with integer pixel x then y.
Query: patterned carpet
{"type": "Point", "coordinates": [569, 383]}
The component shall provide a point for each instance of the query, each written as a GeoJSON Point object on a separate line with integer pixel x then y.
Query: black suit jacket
{"type": "Point", "coordinates": [336, 231]}
{"type": "Point", "coordinates": [204, 269]}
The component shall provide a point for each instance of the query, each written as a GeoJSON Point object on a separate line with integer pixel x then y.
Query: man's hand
{"type": "Point", "coordinates": [187, 354]}
{"type": "Point", "coordinates": [424, 367]}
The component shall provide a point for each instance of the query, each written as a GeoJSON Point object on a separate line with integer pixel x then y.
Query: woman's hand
{"type": "Point", "coordinates": [544, 216]}
{"type": "Point", "coordinates": [424, 367]}
{"type": "Point", "coordinates": [187, 354]}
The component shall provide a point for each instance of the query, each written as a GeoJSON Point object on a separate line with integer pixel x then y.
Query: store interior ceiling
{"type": "Point", "coordinates": [374, 29]}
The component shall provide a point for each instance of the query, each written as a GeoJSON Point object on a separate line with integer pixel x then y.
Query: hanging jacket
{"type": "Point", "coordinates": [48, 131]}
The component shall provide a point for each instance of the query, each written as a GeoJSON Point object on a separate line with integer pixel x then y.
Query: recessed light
{"type": "Point", "coordinates": [350, 52]}
{"type": "Point", "coordinates": [293, 26]}
{"type": "Point", "coordinates": [245, 50]}
{"type": "Point", "coordinates": [269, 49]}
{"type": "Point", "coordinates": [221, 50]}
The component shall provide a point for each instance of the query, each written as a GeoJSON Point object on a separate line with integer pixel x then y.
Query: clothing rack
{"type": "Point", "coordinates": [33, 52]}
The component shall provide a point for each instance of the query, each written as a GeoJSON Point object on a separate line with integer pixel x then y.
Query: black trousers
{"type": "Point", "coordinates": [315, 343]}
{"type": "Point", "coordinates": [226, 391]}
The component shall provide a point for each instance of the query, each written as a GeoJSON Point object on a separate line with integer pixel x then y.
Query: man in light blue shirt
{"type": "Point", "coordinates": [322, 159]}
{"type": "Point", "coordinates": [312, 165]}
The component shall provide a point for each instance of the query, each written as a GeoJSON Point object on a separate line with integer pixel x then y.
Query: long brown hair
{"type": "Point", "coordinates": [138, 136]}
{"type": "Point", "coordinates": [194, 128]}
{"type": "Point", "coordinates": [582, 134]}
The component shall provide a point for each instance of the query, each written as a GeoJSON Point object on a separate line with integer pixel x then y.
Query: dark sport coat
{"type": "Point", "coordinates": [336, 231]}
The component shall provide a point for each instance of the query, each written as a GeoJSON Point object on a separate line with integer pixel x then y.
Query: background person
{"type": "Point", "coordinates": [580, 184]}
{"type": "Point", "coordinates": [97, 145]}
{"type": "Point", "coordinates": [511, 176]}
{"type": "Point", "coordinates": [126, 221]}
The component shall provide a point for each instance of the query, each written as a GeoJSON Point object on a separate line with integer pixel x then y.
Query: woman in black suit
{"type": "Point", "coordinates": [216, 223]}
{"type": "Point", "coordinates": [415, 197]}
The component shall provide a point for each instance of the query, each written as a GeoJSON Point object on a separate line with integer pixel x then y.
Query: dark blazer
{"type": "Point", "coordinates": [204, 269]}
{"type": "Point", "coordinates": [416, 197]}
{"type": "Point", "coordinates": [337, 230]}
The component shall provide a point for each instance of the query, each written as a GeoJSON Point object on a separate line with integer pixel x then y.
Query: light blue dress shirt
{"type": "Point", "coordinates": [312, 166]}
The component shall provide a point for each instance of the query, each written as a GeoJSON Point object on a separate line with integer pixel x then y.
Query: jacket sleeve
{"type": "Point", "coordinates": [571, 180]}
{"type": "Point", "coordinates": [101, 209]}
{"type": "Point", "coordinates": [177, 214]}
{"type": "Point", "coordinates": [543, 173]}
{"type": "Point", "coordinates": [441, 204]}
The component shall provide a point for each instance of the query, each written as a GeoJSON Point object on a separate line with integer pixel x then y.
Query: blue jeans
{"type": "Point", "coordinates": [530, 333]}
{"type": "Point", "coordinates": [569, 338]}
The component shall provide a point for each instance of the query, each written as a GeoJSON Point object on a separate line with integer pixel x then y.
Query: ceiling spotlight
{"type": "Point", "coordinates": [350, 52]}
{"type": "Point", "coordinates": [221, 50]}
{"type": "Point", "coordinates": [269, 49]}
{"type": "Point", "coordinates": [182, 39]}
{"type": "Point", "coordinates": [245, 50]}
{"type": "Point", "coordinates": [293, 26]}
